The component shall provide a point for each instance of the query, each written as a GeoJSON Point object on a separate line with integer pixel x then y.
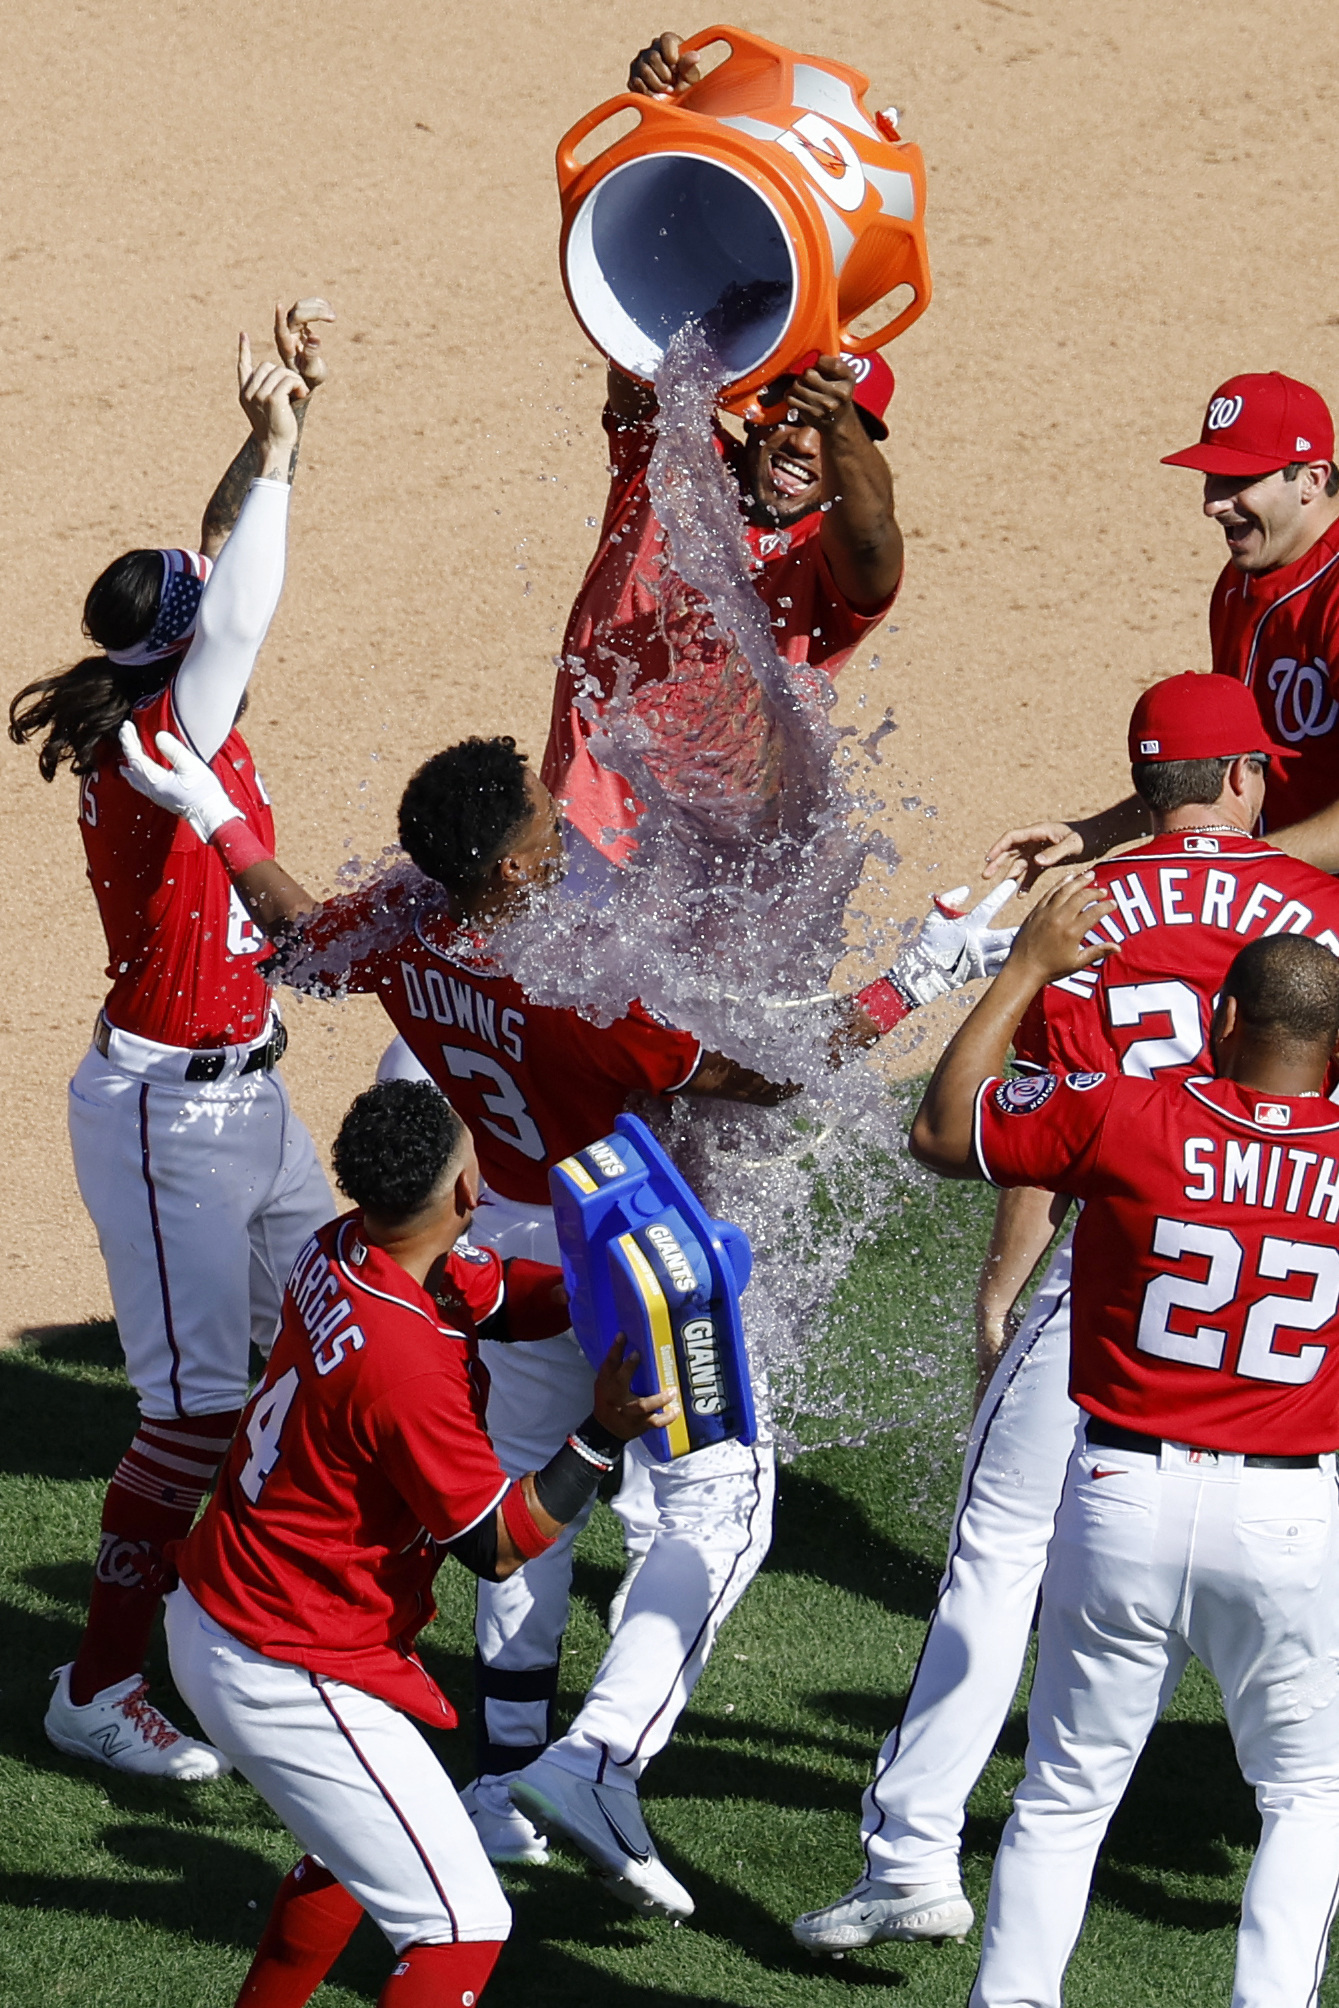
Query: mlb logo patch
{"type": "Point", "coordinates": [1150, 745]}
{"type": "Point", "coordinates": [1202, 844]}
{"type": "Point", "coordinates": [1273, 1115]}
{"type": "Point", "coordinates": [1024, 1097]}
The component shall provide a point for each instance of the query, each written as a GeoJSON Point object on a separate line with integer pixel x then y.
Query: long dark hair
{"type": "Point", "coordinates": [81, 707]}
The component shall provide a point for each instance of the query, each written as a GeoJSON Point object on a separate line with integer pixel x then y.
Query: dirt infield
{"type": "Point", "coordinates": [1126, 204]}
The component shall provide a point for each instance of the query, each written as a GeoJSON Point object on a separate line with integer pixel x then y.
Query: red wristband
{"type": "Point", "coordinates": [239, 846]}
{"type": "Point", "coordinates": [884, 1003]}
{"type": "Point", "coordinates": [519, 1522]}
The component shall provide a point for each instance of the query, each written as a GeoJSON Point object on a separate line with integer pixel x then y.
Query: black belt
{"type": "Point", "coordinates": [1112, 1437]}
{"type": "Point", "coordinates": [208, 1066]}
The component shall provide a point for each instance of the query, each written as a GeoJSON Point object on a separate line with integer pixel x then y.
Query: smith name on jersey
{"type": "Point", "coordinates": [1206, 1258]}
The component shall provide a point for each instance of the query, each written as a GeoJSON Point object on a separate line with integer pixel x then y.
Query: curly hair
{"type": "Point", "coordinates": [461, 810]}
{"type": "Point", "coordinates": [394, 1145]}
{"type": "Point", "coordinates": [81, 707]}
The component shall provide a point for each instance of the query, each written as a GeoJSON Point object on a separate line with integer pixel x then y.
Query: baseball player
{"type": "Point", "coordinates": [537, 1083]}
{"type": "Point", "coordinates": [817, 498]}
{"type": "Point", "coordinates": [200, 1181]}
{"type": "Point", "coordinates": [1184, 904]}
{"type": "Point", "coordinates": [1200, 1514]}
{"type": "Point", "coordinates": [361, 1462]}
{"type": "Point", "coordinates": [1266, 450]}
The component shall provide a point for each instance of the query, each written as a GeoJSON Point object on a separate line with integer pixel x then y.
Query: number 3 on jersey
{"type": "Point", "coordinates": [264, 1427]}
{"type": "Point", "coordinates": [515, 1124]}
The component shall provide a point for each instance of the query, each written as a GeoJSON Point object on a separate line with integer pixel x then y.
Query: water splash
{"type": "Point", "coordinates": [729, 919]}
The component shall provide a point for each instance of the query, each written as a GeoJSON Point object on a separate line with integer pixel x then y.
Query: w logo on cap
{"type": "Point", "coordinates": [1223, 411]}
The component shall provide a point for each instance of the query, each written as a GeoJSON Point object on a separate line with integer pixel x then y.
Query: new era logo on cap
{"type": "Point", "coordinates": [1304, 446]}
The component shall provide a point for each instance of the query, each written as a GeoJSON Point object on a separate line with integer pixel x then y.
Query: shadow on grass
{"type": "Point", "coordinates": [824, 1532]}
{"type": "Point", "coordinates": [57, 1426]}
{"type": "Point", "coordinates": [94, 1343]}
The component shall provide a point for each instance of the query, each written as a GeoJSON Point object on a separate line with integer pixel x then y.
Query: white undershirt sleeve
{"type": "Point", "coordinates": [236, 608]}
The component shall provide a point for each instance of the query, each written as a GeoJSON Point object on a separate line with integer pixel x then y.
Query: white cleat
{"type": "Point", "coordinates": [874, 1911]}
{"type": "Point", "coordinates": [606, 1823]}
{"type": "Point", "coordinates": [120, 1727]}
{"type": "Point", "coordinates": [506, 1834]}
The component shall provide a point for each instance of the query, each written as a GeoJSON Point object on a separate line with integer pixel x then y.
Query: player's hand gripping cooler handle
{"type": "Point", "coordinates": [952, 948]}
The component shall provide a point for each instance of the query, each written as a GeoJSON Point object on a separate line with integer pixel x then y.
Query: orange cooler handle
{"type": "Point", "coordinates": [863, 345]}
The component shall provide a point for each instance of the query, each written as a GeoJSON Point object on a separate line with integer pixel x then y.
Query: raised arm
{"type": "Point", "coordinates": [1050, 943]}
{"type": "Point", "coordinates": [299, 347]}
{"type": "Point", "coordinates": [1028, 852]}
{"type": "Point", "coordinates": [243, 589]}
{"type": "Point", "coordinates": [861, 539]}
{"type": "Point", "coordinates": [1315, 842]}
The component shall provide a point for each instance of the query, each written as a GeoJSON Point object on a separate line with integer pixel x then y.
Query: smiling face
{"type": "Point", "coordinates": [782, 471]}
{"type": "Point", "coordinates": [1268, 520]}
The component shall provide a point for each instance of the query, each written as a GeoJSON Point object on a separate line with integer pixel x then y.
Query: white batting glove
{"type": "Point", "coordinates": [187, 786]}
{"type": "Point", "coordinates": [953, 947]}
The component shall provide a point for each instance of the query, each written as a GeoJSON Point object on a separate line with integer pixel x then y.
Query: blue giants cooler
{"type": "Point", "coordinates": [642, 1256]}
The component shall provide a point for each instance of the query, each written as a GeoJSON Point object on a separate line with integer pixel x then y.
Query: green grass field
{"type": "Point", "coordinates": [121, 1895]}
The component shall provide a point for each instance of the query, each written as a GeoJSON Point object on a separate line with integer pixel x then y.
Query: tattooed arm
{"type": "Point", "coordinates": [299, 349]}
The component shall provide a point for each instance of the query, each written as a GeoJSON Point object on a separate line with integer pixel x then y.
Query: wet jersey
{"type": "Point", "coordinates": [1206, 1257]}
{"type": "Point", "coordinates": [184, 953]}
{"type": "Point", "coordinates": [689, 689]}
{"type": "Point", "coordinates": [1185, 906]}
{"type": "Point", "coordinates": [1278, 632]}
{"type": "Point", "coordinates": [360, 1454]}
{"type": "Point", "coordinates": [533, 1082]}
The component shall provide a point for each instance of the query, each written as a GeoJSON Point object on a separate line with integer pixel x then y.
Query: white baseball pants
{"type": "Point", "coordinates": [1156, 1557]}
{"type": "Point", "coordinates": [352, 1779]}
{"type": "Point", "coordinates": [201, 1194]}
{"type": "Point", "coordinates": [972, 1657]}
{"type": "Point", "coordinates": [697, 1530]}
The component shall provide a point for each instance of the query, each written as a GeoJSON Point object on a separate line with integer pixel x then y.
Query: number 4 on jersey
{"type": "Point", "coordinates": [264, 1426]}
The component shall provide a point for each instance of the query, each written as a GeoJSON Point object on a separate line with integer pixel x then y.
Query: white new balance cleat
{"type": "Point", "coordinates": [606, 1823]}
{"type": "Point", "coordinates": [506, 1834]}
{"type": "Point", "coordinates": [121, 1727]}
{"type": "Point", "coordinates": [874, 1911]}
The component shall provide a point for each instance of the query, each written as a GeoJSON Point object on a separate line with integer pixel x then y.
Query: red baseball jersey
{"type": "Point", "coordinates": [183, 950]}
{"type": "Point", "coordinates": [1278, 632]}
{"type": "Point", "coordinates": [633, 612]}
{"type": "Point", "coordinates": [1186, 906]}
{"type": "Point", "coordinates": [361, 1452]}
{"type": "Point", "coordinates": [1206, 1258]}
{"type": "Point", "coordinates": [533, 1082]}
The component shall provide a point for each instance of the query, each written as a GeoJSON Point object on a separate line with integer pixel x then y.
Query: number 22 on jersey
{"type": "Point", "coordinates": [1258, 1358]}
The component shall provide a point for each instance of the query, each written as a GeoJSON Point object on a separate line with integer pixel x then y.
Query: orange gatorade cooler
{"type": "Point", "coordinates": [764, 202]}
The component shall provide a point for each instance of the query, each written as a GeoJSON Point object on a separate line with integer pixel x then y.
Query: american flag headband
{"type": "Point", "coordinates": [184, 575]}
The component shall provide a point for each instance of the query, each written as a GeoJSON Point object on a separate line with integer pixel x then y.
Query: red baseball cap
{"type": "Point", "coordinates": [1195, 717]}
{"type": "Point", "coordinates": [874, 387]}
{"type": "Point", "coordinates": [1257, 424]}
